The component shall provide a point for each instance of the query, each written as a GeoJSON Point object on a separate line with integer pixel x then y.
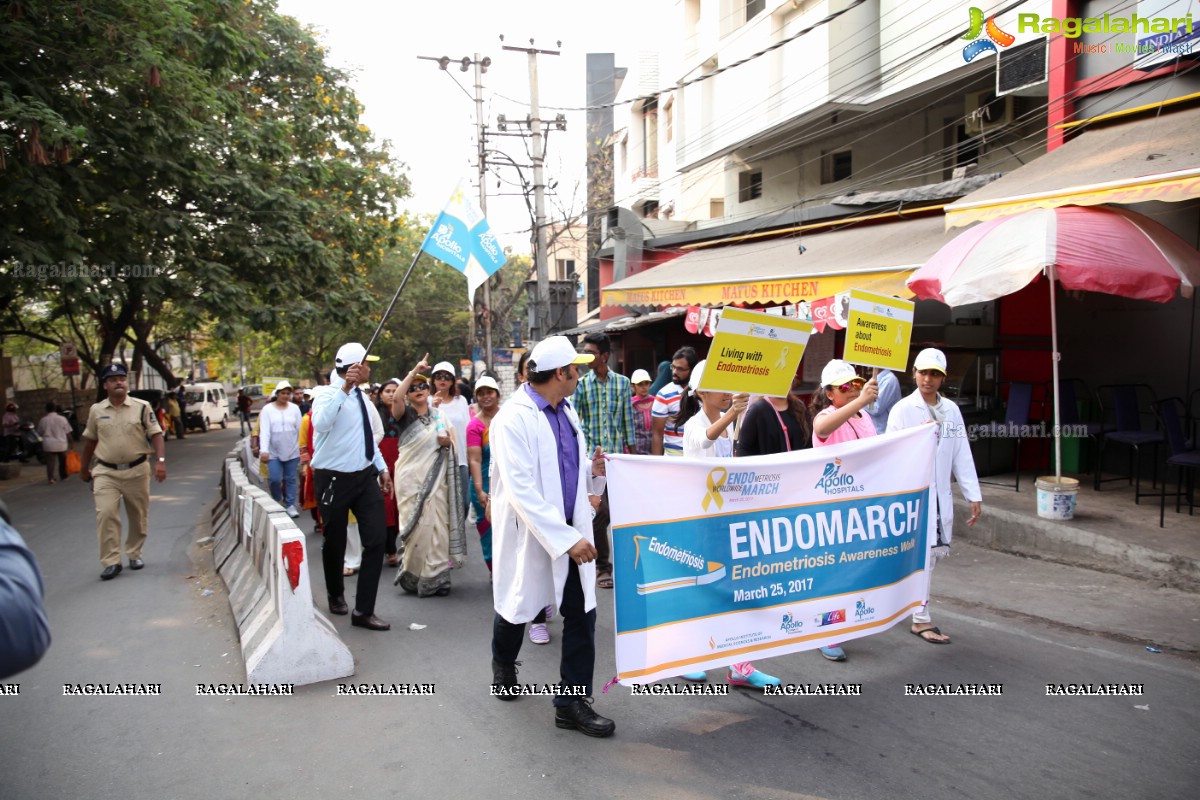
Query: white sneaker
{"type": "Point", "coordinates": [292, 512]}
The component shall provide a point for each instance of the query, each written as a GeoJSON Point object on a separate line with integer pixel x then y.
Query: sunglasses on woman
{"type": "Point", "coordinates": [419, 387]}
{"type": "Point", "coordinates": [442, 376]}
{"type": "Point", "coordinates": [846, 387]}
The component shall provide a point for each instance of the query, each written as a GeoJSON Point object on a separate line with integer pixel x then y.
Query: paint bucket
{"type": "Point", "coordinates": [1056, 497]}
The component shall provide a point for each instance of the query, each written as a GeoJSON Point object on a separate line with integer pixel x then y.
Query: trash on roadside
{"type": "Point", "coordinates": [206, 592]}
{"type": "Point", "coordinates": [1150, 649]}
{"type": "Point", "coordinates": [412, 626]}
{"type": "Point", "coordinates": [1143, 708]}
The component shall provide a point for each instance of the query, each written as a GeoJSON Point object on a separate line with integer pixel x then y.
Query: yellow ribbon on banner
{"type": "Point", "coordinates": [713, 485]}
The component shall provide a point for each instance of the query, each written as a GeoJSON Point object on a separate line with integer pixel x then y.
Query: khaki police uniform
{"type": "Point", "coordinates": [124, 462]}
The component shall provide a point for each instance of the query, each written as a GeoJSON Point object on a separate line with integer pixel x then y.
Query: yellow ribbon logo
{"type": "Point", "coordinates": [714, 484]}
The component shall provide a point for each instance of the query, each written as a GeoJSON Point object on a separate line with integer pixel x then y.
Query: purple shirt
{"type": "Point", "coordinates": [568, 448]}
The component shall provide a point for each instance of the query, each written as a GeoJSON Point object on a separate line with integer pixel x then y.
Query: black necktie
{"type": "Point", "coordinates": [368, 436]}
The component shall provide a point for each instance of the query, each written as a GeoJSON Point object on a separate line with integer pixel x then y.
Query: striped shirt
{"type": "Point", "coordinates": [666, 405]}
{"type": "Point", "coordinates": [605, 412]}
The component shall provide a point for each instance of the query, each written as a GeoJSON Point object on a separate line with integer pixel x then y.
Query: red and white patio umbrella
{"type": "Point", "coordinates": [1094, 249]}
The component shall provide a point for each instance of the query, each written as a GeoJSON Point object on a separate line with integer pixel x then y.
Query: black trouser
{"type": "Point", "coordinates": [600, 534]}
{"type": "Point", "coordinates": [578, 663]}
{"type": "Point", "coordinates": [339, 493]}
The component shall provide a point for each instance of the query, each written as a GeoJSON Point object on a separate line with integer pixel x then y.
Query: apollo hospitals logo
{"type": "Point", "coordinates": [721, 485]}
{"type": "Point", "coordinates": [834, 481]}
{"type": "Point", "coordinates": [790, 624]}
{"type": "Point", "coordinates": [862, 610]}
{"type": "Point", "coordinates": [444, 236]}
{"type": "Point", "coordinates": [991, 33]}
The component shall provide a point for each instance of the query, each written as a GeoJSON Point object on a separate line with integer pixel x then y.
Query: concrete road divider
{"type": "Point", "coordinates": [261, 556]}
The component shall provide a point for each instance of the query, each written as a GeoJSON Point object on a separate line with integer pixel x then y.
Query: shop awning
{"type": "Point", "coordinates": [1152, 158]}
{"type": "Point", "coordinates": [875, 257]}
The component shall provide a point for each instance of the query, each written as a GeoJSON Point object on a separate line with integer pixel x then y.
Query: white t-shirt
{"type": "Point", "coordinates": [458, 415]}
{"type": "Point", "coordinates": [279, 431]}
{"type": "Point", "coordinates": [696, 443]}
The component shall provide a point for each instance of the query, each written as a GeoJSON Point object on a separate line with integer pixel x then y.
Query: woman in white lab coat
{"type": "Point", "coordinates": [953, 459]}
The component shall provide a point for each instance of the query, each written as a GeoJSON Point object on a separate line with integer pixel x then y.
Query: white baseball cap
{"type": "Point", "coordinates": [555, 352]}
{"type": "Point", "coordinates": [639, 376]}
{"type": "Point", "coordinates": [279, 387]}
{"type": "Point", "coordinates": [486, 383]}
{"type": "Point", "coordinates": [352, 353]}
{"type": "Point", "coordinates": [837, 372]}
{"type": "Point", "coordinates": [697, 375]}
{"type": "Point", "coordinates": [444, 366]}
{"type": "Point", "coordinates": [930, 358]}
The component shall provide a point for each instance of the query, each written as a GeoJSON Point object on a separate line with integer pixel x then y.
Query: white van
{"type": "Point", "coordinates": [207, 404]}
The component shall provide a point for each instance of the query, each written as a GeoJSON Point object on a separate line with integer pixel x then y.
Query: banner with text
{"type": "Point", "coordinates": [725, 560]}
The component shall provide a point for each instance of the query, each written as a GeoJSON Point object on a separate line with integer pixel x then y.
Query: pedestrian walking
{"type": "Point", "coordinates": [455, 407]}
{"type": "Point", "coordinates": [666, 437]}
{"type": "Point", "coordinates": [542, 549]}
{"type": "Point", "coordinates": [349, 475]}
{"type": "Point", "coordinates": [279, 446]}
{"type": "Point", "coordinates": [643, 403]}
{"type": "Point", "coordinates": [603, 402]}
{"type": "Point", "coordinates": [953, 460]}
{"type": "Point", "coordinates": [479, 459]}
{"type": "Point", "coordinates": [55, 431]}
{"type": "Point", "coordinates": [838, 416]}
{"type": "Point", "coordinates": [121, 433]}
{"type": "Point", "coordinates": [12, 431]}
{"type": "Point", "coordinates": [244, 404]}
{"type": "Point", "coordinates": [175, 409]}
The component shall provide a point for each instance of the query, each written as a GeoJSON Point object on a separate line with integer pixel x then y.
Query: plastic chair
{"type": "Point", "coordinates": [1014, 426]}
{"type": "Point", "coordinates": [1070, 390]}
{"type": "Point", "coordinates": [1128, 418]}
{"type": "Point", "coordinates": [1184, 455]}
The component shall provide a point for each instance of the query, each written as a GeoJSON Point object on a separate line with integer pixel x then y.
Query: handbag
{"type": "Point", "coordinates": [73, 462]}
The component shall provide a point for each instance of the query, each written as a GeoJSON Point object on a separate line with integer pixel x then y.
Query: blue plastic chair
{"type": "Point", "coordinates": [1184, 455]}
{"type": "Point", "coordinates": [1016, 421]}
{"type": "Point", "coordinates": [1128, 418]}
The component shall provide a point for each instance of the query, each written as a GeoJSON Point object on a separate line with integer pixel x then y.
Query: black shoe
{"type": "Point", "coordinates": [504, 679]}
{"type": "Point", "coordinates": [136, 563]}
{"type": "Point", "coordinates": [580, 716]}
{"type": "Point", "coordinates": [110, 572]}
{"type": "Point", "coordinates": [369, 621]}
{"type": "Point", "coordinates": [337, 605]}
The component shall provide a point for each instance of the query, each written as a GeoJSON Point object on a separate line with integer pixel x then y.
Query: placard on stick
{"type": "Point", "coordinates": [878, 330]}
{"type": "Point", "coordinates": [755, 352]}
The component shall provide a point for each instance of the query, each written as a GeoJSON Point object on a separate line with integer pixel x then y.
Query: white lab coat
{"type": "Point", "coordinates": [530, 537]}
{"type": "Point", "coordinates": [953, 453]}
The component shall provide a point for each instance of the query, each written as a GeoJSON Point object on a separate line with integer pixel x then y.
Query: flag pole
{"type": "Point", "coordinates": [391, 305]}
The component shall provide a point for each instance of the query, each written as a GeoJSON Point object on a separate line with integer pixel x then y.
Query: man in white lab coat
{"type": "Point", "coordinates": [542, 546]}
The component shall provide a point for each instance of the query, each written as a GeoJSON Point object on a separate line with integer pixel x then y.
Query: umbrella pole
{"type": "Point", "coordinates": [1054, 377]}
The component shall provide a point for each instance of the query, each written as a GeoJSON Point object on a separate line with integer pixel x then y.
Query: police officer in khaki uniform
{"type": "Point", "coordinates": [117, 434]}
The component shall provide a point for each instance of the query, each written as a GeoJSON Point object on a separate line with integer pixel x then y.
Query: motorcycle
{"type": "Point", "coordinates": [30, 443]}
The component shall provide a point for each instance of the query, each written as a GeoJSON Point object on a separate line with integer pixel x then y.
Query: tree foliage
{"type": "Point", "coordinates": [190, 161]}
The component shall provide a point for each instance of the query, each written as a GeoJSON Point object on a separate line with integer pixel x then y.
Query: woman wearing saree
{"type": "Point", "coordinates": [428, 490]}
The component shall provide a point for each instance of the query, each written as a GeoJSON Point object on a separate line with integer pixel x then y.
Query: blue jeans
{"type": "Point", "coordinates": [281, 477]}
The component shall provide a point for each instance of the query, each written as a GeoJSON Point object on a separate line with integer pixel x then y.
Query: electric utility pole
{"type": "Point", "coordinates": [481, 65]}
{"type": "Point", "coordinates": [539, 190]}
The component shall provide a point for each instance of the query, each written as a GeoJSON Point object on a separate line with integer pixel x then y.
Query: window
{"type": "Point", "coordinates": [749, 186]}
{"type": "Point", "coordinates": [650, 137]}
{"type": "Point", "coordinates": [563, 268]}
{"type": "Point", "coordinates": [650, 209]}
{"type": "Point", "coordinates": [716, 209]}
{"type": "Point", "coordinates": [835, 166]}
{"type": "Point", "coordinates": [754, 8]}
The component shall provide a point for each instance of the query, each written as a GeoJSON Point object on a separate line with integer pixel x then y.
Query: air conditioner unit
{"type": "Point", "coordinates": [986, 112]}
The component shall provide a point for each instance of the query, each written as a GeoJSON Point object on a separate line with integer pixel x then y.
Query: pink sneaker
{"type": "Point", "coordinates": [539, 633]}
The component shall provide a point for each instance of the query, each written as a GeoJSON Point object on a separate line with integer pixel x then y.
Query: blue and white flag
{"type": "Point", "coordinates": [461, 237]}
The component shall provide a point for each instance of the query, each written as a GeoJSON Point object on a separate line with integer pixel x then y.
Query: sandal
{"type": "Point", "coordinates": [604, 580]}
{"type": "Point", "coordinates": [393, 560]}
{"type": "Point", "coordinates": [935, 631]}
